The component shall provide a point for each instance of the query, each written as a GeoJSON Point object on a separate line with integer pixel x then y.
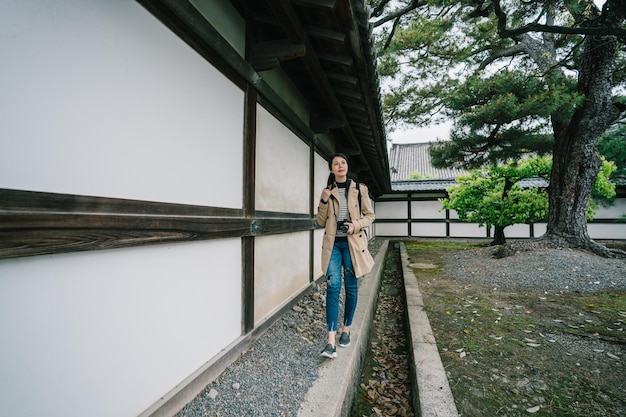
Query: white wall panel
{"type": "Point", "coordinates": [607, 231]}
{"type": "Point", "coordinates": [107, 333]}
{"type": "Point", "coordinates": [517, 231]}
{"type": "Point", "coordinates": [614, 212]}
{"type": "Point", "coordinates": [320, 178]}
{"type": "Point", "coordinates": [391, 229]}
{"type": "Point", "coordinates": [281, 269]}
{"type": "Point", "coordinates": [282, 167]}
{"type": "Point", "coordinates": [427, 210]}
{"type": "Point", "coordinates": [467, 230]}
{"type": "Point", "coordinates": [102, 99]}
{"type": "Point", "coordinates": [317, 253]}
{"type": "Point", "coordinates": [539, 229]}
{"type": "Point", "coordinates": [371, 230]}
{"type": "Point", "coordinates": [392, 210]}
{"type": "Point", "coordinates": [428, 229]}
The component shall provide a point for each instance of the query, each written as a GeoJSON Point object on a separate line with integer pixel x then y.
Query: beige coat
{"type": "Point", "coordinates": [362, 260]}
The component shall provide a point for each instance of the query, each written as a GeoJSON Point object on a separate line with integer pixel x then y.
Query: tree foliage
{"type": "Point", "coordinates": [612, 146]}
{"type": "Point", "coordinates": [495, 196]}
{"type": "Point", "coordinates": [503, 116]}
{"type": "Point", "coordinates": [516, 78]}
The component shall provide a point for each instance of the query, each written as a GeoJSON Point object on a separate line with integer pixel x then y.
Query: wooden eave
{"type": "Point", "coordinates": [325, 48]}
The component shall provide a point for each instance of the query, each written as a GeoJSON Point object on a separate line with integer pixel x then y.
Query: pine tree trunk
{"type": "Point", "coordinates": [575, 158]}
{"type": "Point", "coordinates": [498, 237]}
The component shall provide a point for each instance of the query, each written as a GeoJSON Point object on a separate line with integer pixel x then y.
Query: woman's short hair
{"type": "Point", "coordinates": [340, 155]}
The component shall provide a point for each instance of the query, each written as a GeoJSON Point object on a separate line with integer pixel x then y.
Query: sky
{"type": "Point", "coordinates": [427, 134]}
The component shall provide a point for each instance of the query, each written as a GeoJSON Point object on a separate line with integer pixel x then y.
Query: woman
{"type": "Point", "coordinates": [344, 214]}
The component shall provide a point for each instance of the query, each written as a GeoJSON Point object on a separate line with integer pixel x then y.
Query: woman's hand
{"type": "Point", "coordinates": [325, 195]}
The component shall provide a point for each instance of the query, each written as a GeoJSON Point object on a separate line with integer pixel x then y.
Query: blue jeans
{"type": "Point", "coordinates": [340, 257]}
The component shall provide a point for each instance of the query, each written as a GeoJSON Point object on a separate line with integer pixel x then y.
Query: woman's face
{"type": "Point", "coordinates": [339, 167]}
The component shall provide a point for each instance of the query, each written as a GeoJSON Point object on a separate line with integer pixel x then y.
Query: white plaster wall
{"type": "Point", "coordinates": [320, 177]}
{"type": "Point", "coordinates": [371, 230]}
{"type": "Point", "coordinates": [107, 333]}
{"type": "Point", "coordinates": [281, 270]}
{"type": "Point", "coordinates": [607, 231]}
{"type": "Point", "coordinates": [517, 231]}
{"type": "Point", "coordinates": [428, 229]}
{"type": "Point", "coordinates": [430, 210]}
{"type": "Point", "coordinates": [427, 210]}
{"type": "Point", "coordinates": [282, 167]}
{"type": "Point", "coordinates": [392, 229]}
{"type": "Point", "coordinates": [101, 99]}
{"type": "Point", "coordinates": [595, 230]}
{"type": "Point", "coordinates": [615, 211]}
{"type": "Point", "coordinates": [467, 230]}
{"type": "Point", "coordinates": [392, 210]}
{"type": "Point", "coordinates": [317, 253]}
{"type": "Point", "coordinates": [540, 229]}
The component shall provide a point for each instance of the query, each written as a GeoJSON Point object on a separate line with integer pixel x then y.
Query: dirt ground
{"type": "Point", "coordinates": [520, 353]}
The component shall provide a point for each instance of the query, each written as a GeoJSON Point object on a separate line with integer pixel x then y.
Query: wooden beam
{"type": "Point", "coordinates": [325, 34]}
{"type": "Point", "coordinates": [290, 22]}
{"type": "Point", "coordinates": [36, 233]}
{"type": "Point", "coordinates": [323, 124]}
{"type": "Point", "coordinates": [328, 4]}
{"type": "Point", "coordinates": [336, 59]}
{"type": "Point", "coordinates": [33, 223]}
{"type": "Point", "coordinates": [354, 94]}
{"type": "Point", "coordinates": [268, 55]}
{"type": "Point", "coordinates": [348, 79]}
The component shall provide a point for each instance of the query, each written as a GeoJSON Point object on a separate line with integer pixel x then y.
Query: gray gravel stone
{"type": "Point", "coordinates": [552, 270]}
{"type": "Point", "coordinates": [275, 374]}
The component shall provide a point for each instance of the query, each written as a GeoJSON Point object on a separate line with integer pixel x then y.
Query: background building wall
{"type": "Point", "coordinates": [424, 214]}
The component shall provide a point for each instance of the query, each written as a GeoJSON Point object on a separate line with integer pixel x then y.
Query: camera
{"type": "Point", "coordinates": [342, 226]}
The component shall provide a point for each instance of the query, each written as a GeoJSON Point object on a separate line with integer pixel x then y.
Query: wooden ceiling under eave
{"type": "Point", "coordinates": [325, 47]}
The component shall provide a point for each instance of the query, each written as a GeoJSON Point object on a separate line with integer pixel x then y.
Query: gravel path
{"type": "Point", "coordinates": [274, 375]}
{"type": "Point", "coordinates": [550, 270]}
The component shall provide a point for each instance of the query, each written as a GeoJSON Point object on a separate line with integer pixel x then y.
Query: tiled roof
{"type": "Point", "coordinates": [442, 184]}
{"type": "Point", "coordinates": [405, 159]}
{"type": "Point", "coordinates": [421, 185]}
{"type": "Point", "coordinates": [409, 158]}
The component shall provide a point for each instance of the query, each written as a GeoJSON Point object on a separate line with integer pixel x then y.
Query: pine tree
{"type": "Point", "coordinates": [516, 78]}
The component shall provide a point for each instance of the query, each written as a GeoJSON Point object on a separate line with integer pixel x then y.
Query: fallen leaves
{"type": "Point", "coordinates": [527, 352]}
{"type": "Point", "coordinates": [387, 385]}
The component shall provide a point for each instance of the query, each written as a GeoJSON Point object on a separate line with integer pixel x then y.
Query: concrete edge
{"type": "Point", "coordinates": [432, 396]}
{"type": "Point", "coordinates": [334, 389]}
